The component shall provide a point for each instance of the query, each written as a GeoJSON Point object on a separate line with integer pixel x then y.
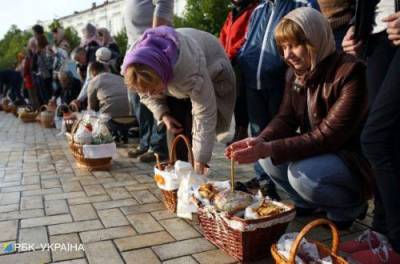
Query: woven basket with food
{"type": "Point", "coordinates": [293, 248]}
{"type": "Point", "coordinates": [27, 114]}
{"type": "Point", "coordinates": [46, 117]}
{"type": "Point", "coordinates": [241, 224]}
{"type": "Point", "coordinates": [165, 176]}
{"type": "Point", "coordinates": [91, 144]}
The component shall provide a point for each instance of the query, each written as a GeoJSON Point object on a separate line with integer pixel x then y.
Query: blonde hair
{"type": "Point", "coordinates": [288, 31]}
{"type": "Point", "coordinates": [141, 78]}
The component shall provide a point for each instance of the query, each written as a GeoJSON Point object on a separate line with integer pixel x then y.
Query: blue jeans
{"type": "Point", "coordinates": [151, 138]}
{"type": "Point", "coordinates": [323, 182]}
{"type": "Point", "coordinates": [262, 106]}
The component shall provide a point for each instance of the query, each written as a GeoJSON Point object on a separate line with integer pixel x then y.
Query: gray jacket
{"type": "Point", "coordinates": [107, 94]}
{"type": "Point", "coordinates": [204, 74]}
{"type": "Point", "coordinates": [139, 15]}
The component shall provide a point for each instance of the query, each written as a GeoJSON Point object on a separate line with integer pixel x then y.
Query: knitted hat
{"type": "Point", "coordinates": [103, 55]}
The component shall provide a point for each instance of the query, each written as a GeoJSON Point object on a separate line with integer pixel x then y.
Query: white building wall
{"type": "Point", "coordinates": [109, 16]}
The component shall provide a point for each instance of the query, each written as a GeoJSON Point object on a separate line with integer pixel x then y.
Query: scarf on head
{"type": "Point", "coordinates": [158, 49]}
{"type": "Point", "coordinates": [108, 39]}
{"type": "Point", "coordinates": [89, 34]}
{"type": "Point", "coordinates": [318, 32]}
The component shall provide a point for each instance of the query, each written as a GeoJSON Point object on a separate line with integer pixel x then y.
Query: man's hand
{"type": "Point", "coordinates": [393, 28]}
{"type": "Point", "coordinates": [350, 44]}
{"type": "Point", "coordinates": [172, 124]}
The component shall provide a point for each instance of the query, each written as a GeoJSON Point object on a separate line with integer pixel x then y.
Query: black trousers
{"type": "Point", "coordinates": [381, 136]}
{"type": "Point", "coordinates": [181, 110]}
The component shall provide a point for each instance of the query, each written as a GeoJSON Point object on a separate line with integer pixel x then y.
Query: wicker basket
{"type": "Point", "coordinates": [70, 118]}
{"type": "Point", "coordinates": [103, 164]}
{"type": "Point", "coordinates": [170, 197]}
{"type": "Point", "coordinates": [28, 115]}
{"type": "Point", "coordinates": [323, 250]}
{"type": "Point", "coordinates": [247, 243]}
{"type": "Point", "coordinates": [13, 109]}
{"type": "Point", "coordinates": [46, 117]}
{"type": "Point", "coordinates": [6, 105]}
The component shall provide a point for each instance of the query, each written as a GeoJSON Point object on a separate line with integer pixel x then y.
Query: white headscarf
{"type": "Point", "coordinates": [317, 30]}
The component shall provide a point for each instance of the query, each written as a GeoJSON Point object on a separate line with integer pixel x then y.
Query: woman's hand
{"type": "Point", "coordinates": [75, 103]}
{"type": "Point", "coordinates": [248, 150]}
{"type": "Point", "coordinates": [200, 167]}
{"type": "Point", "coordinates": [172, 124]}
{"type": "Point", "coordinates": [393, 28]}
{"type": "Point", "coordinates": [350, 44]}
{"type": "Point", "coordinates": [241, 144]}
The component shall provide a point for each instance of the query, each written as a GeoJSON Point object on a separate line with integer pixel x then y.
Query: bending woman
{"type": "Point", "coordinates": [185, 64]}
{"type": "Point", "coordinates": [326, 98]}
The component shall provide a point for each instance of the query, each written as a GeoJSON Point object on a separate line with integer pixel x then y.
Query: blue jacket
{"type": "Point", "coordinates": [260, 63]}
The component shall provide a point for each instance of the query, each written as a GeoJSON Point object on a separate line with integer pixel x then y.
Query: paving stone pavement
{"type": "Point", "coordinates": [118, 216]}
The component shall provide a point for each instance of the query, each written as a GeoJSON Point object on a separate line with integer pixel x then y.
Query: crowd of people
{"type": "Point", "coordinates": [313, 81]}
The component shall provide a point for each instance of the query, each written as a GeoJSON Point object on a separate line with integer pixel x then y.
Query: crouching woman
{"type": "Point", "coordinates": [185, 64]}
{"type": "Point", "coordinates": [311, 148]}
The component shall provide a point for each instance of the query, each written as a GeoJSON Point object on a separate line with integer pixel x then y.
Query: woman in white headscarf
{"type": "Point", "coordinates": [107, 41]}
{"type": "Point", "coordinates": [90, 41]}
{"type": "Point", "coordinates": [326, 100]}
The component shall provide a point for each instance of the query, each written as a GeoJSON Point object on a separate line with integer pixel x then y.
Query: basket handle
{"type": "Point", "coordinates": [43, 108]}
{"type": "Point", "coordinates": [29, 108]}
{"type": "Point", "coordinates": [73, 108]}
{"type": "Point", "coordinates": [307, 229]}
{"type": "Point", "coordinates": [74, 128]}
{"type": "Point", "coordinates": [185, 139]}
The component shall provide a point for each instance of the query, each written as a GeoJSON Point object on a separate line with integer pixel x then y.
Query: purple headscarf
{"type": "Point", "coordinates": [158, 49]}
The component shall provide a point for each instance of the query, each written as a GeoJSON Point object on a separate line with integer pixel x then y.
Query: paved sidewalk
{"type": "Point", "coordinates": [117, 215]}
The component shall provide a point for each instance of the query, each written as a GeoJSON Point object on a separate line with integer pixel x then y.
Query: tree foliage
{"type": "Point", "coordinates": [13, 42]}
{"type": "Point", "coordinates": [122, 41]}
{"type": "Point", "coordinates": [207, 15]}
{"type": "Point", "coordinates": [71, 35]}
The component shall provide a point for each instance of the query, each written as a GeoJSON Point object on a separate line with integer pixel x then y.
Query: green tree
{"type": "Point", "coordinates": [71, 35]}
{"type": "Point", "coordinates": [13, 42]}
{"type": "Point", "coordinates": [207, 15]}
{"type": "Point", "coordinates": [55, 24]}
{"type": "Point", "coordinates": [122, 41]}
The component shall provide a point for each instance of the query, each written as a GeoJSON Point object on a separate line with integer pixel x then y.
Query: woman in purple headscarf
{"type": "Point", "coordinates": [187, 64]}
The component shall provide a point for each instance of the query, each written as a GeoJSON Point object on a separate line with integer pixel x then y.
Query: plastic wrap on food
{"type": "Point", "coordinates": [231, 202]}
{"type": "Point", "coordinates": [83, 134]}
{"type": "Point", "coordinates": [307, 252]}
{"type": "Point", "coordinates": [100, 133]}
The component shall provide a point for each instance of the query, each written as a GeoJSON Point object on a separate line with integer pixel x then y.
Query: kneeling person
{"type": "Point", "coordinates": [107, 94]}
{"type": "Point", "coordinates": [326, 98]}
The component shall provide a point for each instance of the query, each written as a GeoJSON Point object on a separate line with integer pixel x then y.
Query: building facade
{"type": "Point", "coordinates": [108, 14]}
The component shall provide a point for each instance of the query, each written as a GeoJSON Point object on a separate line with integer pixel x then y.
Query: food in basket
{"type": "Point", "coordinates": [268, 208]}
{"type": "Point", "coordinates": [208, 191]}
{"type": "Point", "coordinates": [101, 134]}
{"type": "Point", "coordinates": [159, 179]}
{"type": "Point", "coordinates": [84, 134]}
{"type": "Point", "coordinates": [231, 202]}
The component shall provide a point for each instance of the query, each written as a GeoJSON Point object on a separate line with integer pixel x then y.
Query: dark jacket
{"type": "Point", "coordinates": [329, 111]}
{"type": "Point", "coordinates": [261, 65]}
{"type": "Point", "coordinates": [70, 92]}
{"type": "Point", "coordinates": [365, 16]}
{"type": "Point", "coordinates": [91, 49]}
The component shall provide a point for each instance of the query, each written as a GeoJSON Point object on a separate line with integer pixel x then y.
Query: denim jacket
{"type": "Point", "coordinates": [260, 63]}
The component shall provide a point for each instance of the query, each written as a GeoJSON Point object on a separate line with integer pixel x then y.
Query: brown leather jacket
{"type": "Point", "coordinates": [329, 112]}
